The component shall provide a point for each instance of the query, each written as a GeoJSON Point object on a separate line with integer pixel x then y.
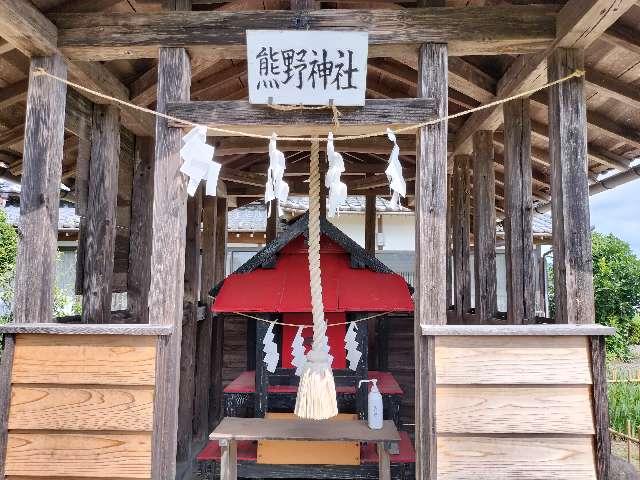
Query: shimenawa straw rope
{"type": "Point", "coordinates": [577, 73]}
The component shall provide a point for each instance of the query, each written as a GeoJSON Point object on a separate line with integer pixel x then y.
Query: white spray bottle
{"type": "Point", "coordinates": [374, 410]}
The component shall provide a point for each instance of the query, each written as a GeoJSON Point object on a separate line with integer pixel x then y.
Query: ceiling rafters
{"type": "Point", "coordinates": [579, 23]}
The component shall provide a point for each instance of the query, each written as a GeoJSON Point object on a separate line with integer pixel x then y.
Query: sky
{"type": "Point", "coordinates": [617, 211]}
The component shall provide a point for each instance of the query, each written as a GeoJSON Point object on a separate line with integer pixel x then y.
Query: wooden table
{"type": "Point", "coordinates": [231, 429]}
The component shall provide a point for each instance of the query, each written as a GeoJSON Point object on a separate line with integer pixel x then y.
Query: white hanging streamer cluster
{"type": "Point", "coordinates": [198, 161]}
{"type": "Point", "coordinates": [298, 353]}
{"type": "Point", "coordinates": [271, 355]}
{"type": "Point", "coordinates": [337, 188]}
{"type": "Point", "coordinates": [351, 345]}
{"type": "Point", "coordinates": [276, 188]}
{"type": "Point", "coordinates": [394, 173]}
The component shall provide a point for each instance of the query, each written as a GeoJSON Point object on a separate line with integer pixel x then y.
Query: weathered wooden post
{"type": "Point", "coordinates": [461, 236]}
{"type": "Point", "coordinates": [370, 224]}
{"type": "Point", "coordinates": [167, 258]}
{"type": "Point", "coordinates": [189, 330]}
{"type": "Point", "coordinates": [140, 231]}
{"type": "Point", "coordinates": [431, 251]}
{"type": "Point", "coordinates": [521, 302]}
{"type": "Point", "coordinates": [484, 216]}
{"type": "Point", "coordinates": [99, 232]}
{"type": "Point", "coordinates": [572, 257]}
{"type": "Point", "coordinates": [40, 197]}
{"type": "Point", "coordinates": [217, 337]}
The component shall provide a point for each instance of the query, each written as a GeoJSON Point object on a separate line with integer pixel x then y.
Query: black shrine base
{"type": "Point", "coordinates": [402, 464]}
{"type": "Point", "coordinates": [239, 396]}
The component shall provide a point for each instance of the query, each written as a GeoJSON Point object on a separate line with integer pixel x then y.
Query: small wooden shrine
{"type": "Point", "coordinates": [496, 108]}
{"type": "Point", "coordinates": [274, 286]}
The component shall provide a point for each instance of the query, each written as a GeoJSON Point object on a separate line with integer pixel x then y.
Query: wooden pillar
{"type": "Point", "coordinates": [572, 260]}
{"type": "Point", "coordinates": [139, 275]}
{"type": "Point", "coordinates": [100, 226]}
{"type": "Point", "coordinates": [81, 187]}
{"type": "Point", "coordinates": [541, 283]}
{"type": "Point", "coordinates": [484, 216]}
{"type": "Point", "coordinates": [189, 328]}
{"type": "Point", "coordinates": [431, 220]}
{"type": "Point", "coordinates": [449, 236]}
{"type": "Point", "coordinates": [40, 197]}
{"type": "Point", "coordinates": [518, 234]}
{"type": "Point", "coordinates": [217, 336]}
{"type": "Point", "coordinates": [461, 235]}
{"type": "Point", "coordinates": [370, 224]}
{"type": "Point", "coordinates": [272, 221]}
{"type": "Point", "coordinates": [204, 384]}
{"type": "Point", "coordinates": [167, 258]}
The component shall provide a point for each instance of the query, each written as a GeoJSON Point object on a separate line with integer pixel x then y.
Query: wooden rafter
{"type": "Point", "coordinates": [579, 23]}
{"type": "Point", "coordinates": [474, 30]}
{"type": "Point", "coordinates": [28, 30]}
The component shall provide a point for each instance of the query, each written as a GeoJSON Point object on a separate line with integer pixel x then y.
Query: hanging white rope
{"type": "Point", "coordinates": [337, 189]}
{"type": "Point", "coordinates": [394, 173]}
{"type": "Point", "coordinates": [276, 188]}
{"type": "Point", "coordinates": [316, 398]}
{"type": "Point", "coordinates": [198, 161]}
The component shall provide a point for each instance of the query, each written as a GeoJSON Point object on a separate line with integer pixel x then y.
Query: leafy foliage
{"type": "Point", "coordinates": [616, 281]}
{"type": "Point", "coordinates": [624, 404]}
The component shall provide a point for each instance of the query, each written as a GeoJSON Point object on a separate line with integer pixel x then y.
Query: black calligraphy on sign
{"type": "Point", "coordinates": [319, 69]}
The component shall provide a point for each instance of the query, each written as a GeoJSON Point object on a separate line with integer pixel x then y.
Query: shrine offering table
{"type": "Point", "coordinates": [239, 396]}
{"type": "Point", "coordinates": [231, 431]}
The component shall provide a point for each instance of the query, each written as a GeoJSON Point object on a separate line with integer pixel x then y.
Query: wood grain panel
{"type": "Point", "coordinates": [483, 458]}
{"type": "Point", "coordinates": [79, 455]}
{"type": "Point", "coordinates": [512, 360]}
{"type": "Point", "coordinates": [63, 408]}
{"type": "Point", "coordinates": [512, 409]}
{"type": "Point", "coordinates": [89, 360]}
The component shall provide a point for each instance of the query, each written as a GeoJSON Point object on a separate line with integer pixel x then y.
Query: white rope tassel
{"type": "Point", "coordinates": [394, 173]}
{"type": "Point", "coordinates": [316, 398]}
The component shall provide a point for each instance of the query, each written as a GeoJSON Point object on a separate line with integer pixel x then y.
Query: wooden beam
{"type": "Point", "coordinates": [243, 116]}
{"type": "Point", "coordinates": [201, 410]}
{"type": "Point", "coordinates": [100, 227]}
{"type": "Point", "coordinates": [484, 232]}
{"type": "Point", "coordinates": [370, 224]}
{"type": "Point", "coordinates": [461, 235]}
{"type": "Point", "coordinates": [572, 258]}
{"type": "Point", "coordinates": [431, 250]}
{"type": "Point", "coordinates": [579, 23]}
{"type": "Point", "coordinates": [623, 37]}
{"type": "Point", "coordinates": [26, 28]}
{"type": "Point", "coordinates": [598, 359]}
{"type": "Point", "coordinates": [39, 201]}
{"type": "Point", "coordinates": [519, 214]}
{"type": "Point", "coordinates": [469, 31]}
{"type": "Point", "coordinates": [14, 93]}
{"type": "Point", "coordinates": [167, 259]}
{"type": "Point", "coordinates": [226, 146]}
{"type": "Point", "coordinates": [614, 88]}
{"type": "Point", "coordinates": [188, 347]}
{"type": "Point", "coordinates": [217, 337]}
{"type": "Point", "coordinates": [6, 366]}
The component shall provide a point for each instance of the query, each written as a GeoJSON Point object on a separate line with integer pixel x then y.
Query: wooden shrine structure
{"type": "Point", "coordinates": [135, 393]}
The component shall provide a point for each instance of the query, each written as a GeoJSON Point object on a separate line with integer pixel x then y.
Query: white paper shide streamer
{"type": "Point", "coordinates": [351, 345]}
{"type": "Point", "coordinates": [276, 188]}
{"type": "Point", "coordinates": [337, 189]}
{"type": "Point", "coordinates": [271, 356]}
{"type": "Point", "coordinates": [297, 350]}
{"type": "Point", "coordinates": [198, 161]}
{"type": "Point", "coordinates": [394, 173]}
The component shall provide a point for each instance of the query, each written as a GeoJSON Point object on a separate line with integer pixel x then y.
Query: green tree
{"type": "Point", "coordinates": [616, 281]}
{"type": "Point", "coordinates": [8, 254]}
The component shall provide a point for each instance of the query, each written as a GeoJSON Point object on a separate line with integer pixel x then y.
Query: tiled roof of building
{"type": "Point", "coordinates": [67, 218]}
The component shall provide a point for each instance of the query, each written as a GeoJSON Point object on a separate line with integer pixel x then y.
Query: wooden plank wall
{"type": "Point", "coordinates": [81, 406]}
{"type": "Point", "coordinates": [514, 407]}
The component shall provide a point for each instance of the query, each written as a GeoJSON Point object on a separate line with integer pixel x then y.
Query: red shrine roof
{"type": "Point", "coordinates": [277, 278]}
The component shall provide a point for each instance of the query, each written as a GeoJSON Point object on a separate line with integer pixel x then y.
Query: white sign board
{"type": "Point", "coordinates": [291, 67]}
